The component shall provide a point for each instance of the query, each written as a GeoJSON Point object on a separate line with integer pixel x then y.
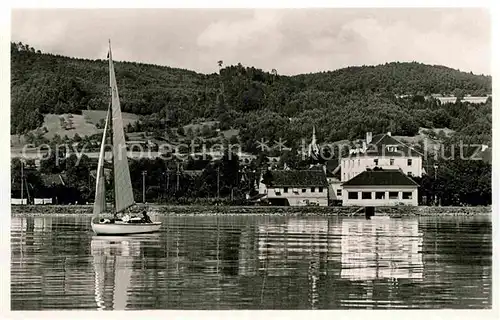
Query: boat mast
{"type": "Point", "coordinates": [124, 196]}
{"type": "Point", "coordinates": [110, 139]}
{"type": "Point", "coordinates": [22, 182]}
{"type": "Point", "coordinates": [110, 128]}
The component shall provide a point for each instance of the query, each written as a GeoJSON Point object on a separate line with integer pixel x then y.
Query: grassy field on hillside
{"type": "Point", "coordinates": [77, 123]}
{"type": "Point", "coordinates": [84, 124]}
{"type": "Point", "coordinates": [94, 116]}
{"type": "Point", "coordinates": [199, 126]}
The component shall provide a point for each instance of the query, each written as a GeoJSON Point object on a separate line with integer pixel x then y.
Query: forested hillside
{"type": "Point", "coordinates": [399, 78]}
{"type": "Point", "coordinates": [343, 104]}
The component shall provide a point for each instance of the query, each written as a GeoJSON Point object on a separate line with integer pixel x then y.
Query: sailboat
{"type": "Point", "coordinates": [124, 196]}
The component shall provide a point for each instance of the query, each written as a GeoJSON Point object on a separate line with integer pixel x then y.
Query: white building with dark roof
{"type": "Point", "coordinates": [382, 151]}
{"type": "Point", "coordinates": [294, 187]}
{"type": "Point", "coordinates": [380, 187]}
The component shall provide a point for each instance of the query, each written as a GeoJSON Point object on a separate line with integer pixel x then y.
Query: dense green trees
{"type": "Point", "coordinates": [342, 103]}
{"type": "Point", "coordinates": [399, 78]}
{"type": "Point", "coordinates": [165, 180]}
{"type": "Point", "coordinates": [457, 182]}
{"type": "Point", "coordinates": [265, 107]}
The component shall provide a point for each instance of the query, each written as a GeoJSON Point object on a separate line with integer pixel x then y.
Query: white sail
{"type": "Point", "coordinates": [100, 189]}
{"type": "Point", "coordinates": [124, 196]}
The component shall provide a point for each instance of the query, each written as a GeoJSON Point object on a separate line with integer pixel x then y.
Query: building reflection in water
{"type": "Point", "coordinates": [381, 249]}
{"type": "Point", "coordinates": [113, 259]}
{"type": "Point", "coordinates": [351, 249]}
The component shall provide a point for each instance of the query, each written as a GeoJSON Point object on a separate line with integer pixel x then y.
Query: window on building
{"type": "Point", "coordinates": [339, 192]}
{"type": "Point", "coordinates": [359, 162]}
{"type": "Point", "coordinates": [393, 195]}
{"type": "Point", "coordinates": [409, 173]}
{"type": "Point", "coordinates": [304, 190]}
{"type": "Point", "coordinates": [285, 190]}
{"type": "Point", "coordinates": [366, 195]}
{"type": "Point", "coordinates": [320, 189]}
{"type": "Point", "coordinates": [379, 195]}
{"type": "Point", "coordinates": [391, 161]}
{"type": "Point", "coordinates": [313, 189]}
{"type": "Point", "coordinates": [409, 162]}
{"type": "Point", "coordinates": [352, 195]}
{"type": "Point", "coordinates": [375, 161]}
{"type": "Point", "coordinates": [392, 148]}
{"type": "Point", "coordinates": [407, 195]}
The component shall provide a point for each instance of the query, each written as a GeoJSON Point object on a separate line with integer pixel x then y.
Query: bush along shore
{"type": "Point", "coordinates": [262, 210]}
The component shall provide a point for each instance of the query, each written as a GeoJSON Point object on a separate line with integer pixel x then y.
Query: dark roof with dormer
{"type": "Point", "coordinates": [477, 152]}
{"type": "Point", "coordinates": [381, 146]}
{"type": "Point", "coordinates": [381, 177]}
{"type": "Point", "coordinates": [298, 178]}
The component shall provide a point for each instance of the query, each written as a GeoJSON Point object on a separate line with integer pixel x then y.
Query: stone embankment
{"type": "Point", "coordinates": [260, 210]}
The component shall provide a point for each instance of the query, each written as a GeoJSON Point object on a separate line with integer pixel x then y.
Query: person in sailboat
{"type": "Point", "coordinates": [145, 218]}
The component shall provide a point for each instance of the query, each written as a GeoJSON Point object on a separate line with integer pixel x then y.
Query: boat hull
{"type": "Point", "coordinates": [125, 228]}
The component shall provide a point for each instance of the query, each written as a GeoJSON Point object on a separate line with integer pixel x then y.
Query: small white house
{"type": "Point", "coordinates": [43, 201]}
{"type": "Point", "coordinates": [380, 187]}
{"type": "Point", "coordinates": [294, 187]}
{"type": "Point", "coordinates": [18, 201]}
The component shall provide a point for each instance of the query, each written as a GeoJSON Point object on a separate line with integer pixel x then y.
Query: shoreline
{"type": "Point", "coordinates": [198, 210]}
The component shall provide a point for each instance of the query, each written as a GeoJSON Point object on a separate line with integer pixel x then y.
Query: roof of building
{"type": "Point", "coordinates": [485, 155]}
{"type": "Point", "coordinates": [193, 173]}
{"type": "Point", "coordinates": [380, 143]}
{"type": "Point", "coordinates": [298, 178]}
{"type": "Point", "coordinates": [381, 177]}
{"type": "Point", "coordinates": [53, 179]}
{"type": "Point", "coordinates": [333, 168]}
{"type": "Point", "coordinates": [474, 152]}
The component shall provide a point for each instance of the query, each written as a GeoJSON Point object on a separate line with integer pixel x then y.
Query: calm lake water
{"type": "Point", "coordinates": [253, 262]}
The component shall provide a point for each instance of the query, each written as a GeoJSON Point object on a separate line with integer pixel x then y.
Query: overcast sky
{"type": "Point", "coordinates": [292, 41]}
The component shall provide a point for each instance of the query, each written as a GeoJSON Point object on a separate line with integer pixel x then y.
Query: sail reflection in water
{"type": "Point", "coordinates": [381, 249]}
{"type": "Point", "coordinates": [113, 265]}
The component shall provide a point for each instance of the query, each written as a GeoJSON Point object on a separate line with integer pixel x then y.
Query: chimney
{"type": "Point", "coordinates": [368, 137]}
{"type": "Point", "coordinates": [389, 133]}
{"type": "Point", "coordinates": [364, 147]}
